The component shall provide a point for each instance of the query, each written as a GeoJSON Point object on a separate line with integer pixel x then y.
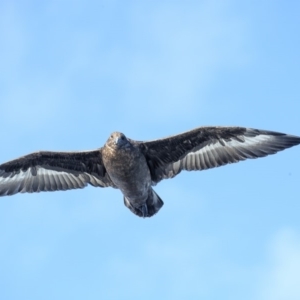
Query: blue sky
{"type": "Point", "coordinates": [74, 71]}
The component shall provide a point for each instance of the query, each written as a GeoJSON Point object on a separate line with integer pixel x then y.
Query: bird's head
{"type": "Point", "coordinates": [118, 140]}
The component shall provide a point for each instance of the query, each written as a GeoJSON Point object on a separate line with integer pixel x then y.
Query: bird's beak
{"type": "Point", "coordinates": [116, 141]}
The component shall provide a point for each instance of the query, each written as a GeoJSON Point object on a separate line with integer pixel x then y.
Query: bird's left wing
{"type": "Point", "coordinates": [53, 171]}
{"type": "Point", "coordinates": [209, 147]}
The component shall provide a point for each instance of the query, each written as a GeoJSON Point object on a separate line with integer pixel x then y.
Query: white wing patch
{"type": "Point", "coordinates": [41, 179]}
{"type": "Point", "coordinates": [219, 152]}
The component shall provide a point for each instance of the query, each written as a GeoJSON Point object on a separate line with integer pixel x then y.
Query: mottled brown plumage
{"type": "Point", "coordinates": [134, 167]}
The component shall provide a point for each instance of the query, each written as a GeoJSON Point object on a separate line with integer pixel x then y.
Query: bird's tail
{"type": "Point", "coordinates": [153, 204]}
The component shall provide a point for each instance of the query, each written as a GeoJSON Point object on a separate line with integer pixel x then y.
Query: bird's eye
{"type": "Point", "coordinates": [122, 137]}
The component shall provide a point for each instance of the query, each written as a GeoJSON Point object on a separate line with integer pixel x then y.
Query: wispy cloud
{"type": "Point", "coordinates": [180, 54]}
{"type": "Point", "coordinates": [282, 277]}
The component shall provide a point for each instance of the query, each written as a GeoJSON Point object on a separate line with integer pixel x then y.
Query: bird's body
{"type": "Point", "coordinates": [134, 167]}
{"type": "Point", "coordinates": [127, 168]}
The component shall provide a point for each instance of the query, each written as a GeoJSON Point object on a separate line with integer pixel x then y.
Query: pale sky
{"type": "Point", "coordinates": [72, 72]}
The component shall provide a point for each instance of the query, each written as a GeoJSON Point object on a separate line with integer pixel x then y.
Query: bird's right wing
{"type": "Point", "coordinates": [208, 147]}
{"type": "Point", "coordinates": [53, 171]}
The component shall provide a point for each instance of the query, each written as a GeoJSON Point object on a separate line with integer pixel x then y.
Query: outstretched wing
{"type": "Point", "coordinates": [209, 147]}
{"type": "Point", "coordinates": [53, 171]}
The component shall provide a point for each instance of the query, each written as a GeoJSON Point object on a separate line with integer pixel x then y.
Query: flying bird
{"type": "Point", "coordinates": [135, 166]}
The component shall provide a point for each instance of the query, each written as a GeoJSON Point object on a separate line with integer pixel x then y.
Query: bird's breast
{"type": "Point", "coordinates": [129, 171]}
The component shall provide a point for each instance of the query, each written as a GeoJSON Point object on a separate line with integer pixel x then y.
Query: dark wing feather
{"type": "Point", "coordinates": [53, 171]}
{"type": "Point", "coordinates": [209, 147]}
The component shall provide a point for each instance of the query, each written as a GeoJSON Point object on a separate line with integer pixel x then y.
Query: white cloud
{"type": "Point", "coordinates": [179, 55]}
{"type": "Point", "coordinates": [282, 278]}
{"type": "Point", "coordinates": [162, 58]}
{"type": "Point", "coordinates": [29, 96]}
